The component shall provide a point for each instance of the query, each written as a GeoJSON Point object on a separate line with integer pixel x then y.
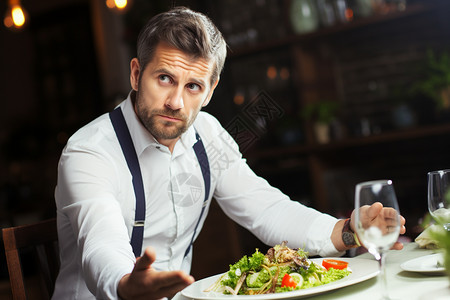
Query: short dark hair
{"type": "Point", "coordinates": [189, 31]}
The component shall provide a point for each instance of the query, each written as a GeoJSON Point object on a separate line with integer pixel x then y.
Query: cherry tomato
{"type": "Point", "coordinates": [288, 281]}
{"type": "Point", "coordinates": [334, 263]}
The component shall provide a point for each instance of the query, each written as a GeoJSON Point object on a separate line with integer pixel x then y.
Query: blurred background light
{"type": "Point", "coordinates": [118, 5]}
{"type": "Point", "coordinates": [16, 16]}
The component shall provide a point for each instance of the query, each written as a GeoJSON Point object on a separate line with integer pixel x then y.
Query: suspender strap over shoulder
{"type": "Point", "coordinates": [126, 143]}
{"type": "Point", "coordinates": [202, 158]}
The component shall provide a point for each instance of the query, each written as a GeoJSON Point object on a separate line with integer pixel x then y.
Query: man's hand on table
{"type": "Point", "coordinates": [144, 282]}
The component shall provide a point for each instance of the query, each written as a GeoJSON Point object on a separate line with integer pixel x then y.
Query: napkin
{"type": "Point", "coordinates": [425, 240]}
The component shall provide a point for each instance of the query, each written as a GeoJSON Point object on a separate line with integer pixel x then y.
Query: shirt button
{"type": "Point", "coordinates": [158, 147]}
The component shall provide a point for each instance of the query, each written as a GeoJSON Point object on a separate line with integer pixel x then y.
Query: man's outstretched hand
{"type": "Point", "coordinates": [144, 282]}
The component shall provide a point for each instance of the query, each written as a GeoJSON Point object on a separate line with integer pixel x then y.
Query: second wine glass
{"type": "Point", "coordinates": [379, 232]}
{"type": "Point", "coordinates": [439, 196]}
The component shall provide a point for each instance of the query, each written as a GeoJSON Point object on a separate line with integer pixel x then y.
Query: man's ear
{"type": "Point", "coordinates": [210, 93]}
{"type": "Point", "coordinates": [135, 72]}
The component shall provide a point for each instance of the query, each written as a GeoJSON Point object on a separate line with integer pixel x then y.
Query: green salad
{"type": "Point", "coordinates": [280, 270]}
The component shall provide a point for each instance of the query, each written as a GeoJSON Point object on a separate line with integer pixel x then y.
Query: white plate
{"type": "Point", "coordinates": [362, 269]}
{"type": "Point", "coordinates": [425, 264]}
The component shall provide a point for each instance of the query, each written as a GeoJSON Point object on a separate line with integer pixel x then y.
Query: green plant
{"type": "Point", "coordinates": [435, 82]}
{"type": "Point", "coordinates": [441, 234]}
{"type": "Point", "coordinates": [321, 111]}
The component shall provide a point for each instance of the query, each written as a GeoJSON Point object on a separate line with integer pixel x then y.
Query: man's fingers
{"type": "Point", "coordinates": [397, 246]}
{"type": "Point", "coordinates": [374, 210]}
{"type": "Point", "coordinates": [167, 284]}
{"type": "Point", "coordinates": [390, 212]}
{"type": "Point", "coordinates": [145, 282]}
{"type": "Point", "coordinates": [144, 262]}
{"type": "Point", "coordinates": [172, 279]}
{"type": "Point", "coordinates": [402, 225]}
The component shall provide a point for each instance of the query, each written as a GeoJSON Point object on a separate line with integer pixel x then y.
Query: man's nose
{"type": "Point", "coordinates": [175, 100]}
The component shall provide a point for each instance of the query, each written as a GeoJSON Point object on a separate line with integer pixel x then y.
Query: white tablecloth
{"type": "Point", "coordinates": [402, 285]}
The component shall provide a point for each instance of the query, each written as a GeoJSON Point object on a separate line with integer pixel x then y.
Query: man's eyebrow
{"type": "Point", "coordinates": [163, 70]}
{"type": "Point", "coordinates": [198, 81]}
{"type": "Point", "coordinates": [166, 71]}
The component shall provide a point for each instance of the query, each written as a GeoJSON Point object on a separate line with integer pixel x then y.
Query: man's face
{"type": "Point", "coordinates": [170, 92]}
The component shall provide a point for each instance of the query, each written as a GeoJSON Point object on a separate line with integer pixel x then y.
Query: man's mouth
{"type": "Point", "coordinates": [170, 118]}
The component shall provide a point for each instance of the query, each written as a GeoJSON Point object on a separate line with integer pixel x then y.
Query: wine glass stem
{"type": "Point", "coordinates": [382, 276]}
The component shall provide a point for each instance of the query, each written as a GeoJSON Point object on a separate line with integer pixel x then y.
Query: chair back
{"type": "Point", "coordinates": [32, 249]}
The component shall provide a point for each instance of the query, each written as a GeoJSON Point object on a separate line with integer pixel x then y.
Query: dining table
{"type": "Point", "coordinates": [402, 284]}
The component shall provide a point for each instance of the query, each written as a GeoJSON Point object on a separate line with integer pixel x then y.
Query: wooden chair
{"type": "Point", "coordinates": [39, 242]}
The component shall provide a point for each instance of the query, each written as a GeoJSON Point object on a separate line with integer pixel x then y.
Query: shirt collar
{"type": "Point", "coordinates": [142, 139]}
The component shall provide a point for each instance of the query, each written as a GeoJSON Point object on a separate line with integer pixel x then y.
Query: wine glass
{"type": "Point", "coordinates": [377, 233]}
{"type": "Point", "coordinates": [439, 196]}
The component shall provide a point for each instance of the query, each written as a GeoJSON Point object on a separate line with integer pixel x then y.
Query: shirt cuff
{"type": "Point", "coordinates": [320, 236]}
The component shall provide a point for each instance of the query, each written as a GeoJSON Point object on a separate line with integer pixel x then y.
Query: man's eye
{"type": "Point", "coordinates": [193, 87]}
{"type": "Point", "coordinates": [165, 78]}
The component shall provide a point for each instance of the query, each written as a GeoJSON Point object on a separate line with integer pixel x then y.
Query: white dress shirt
{"type": "Point", "coordinates": [95, 203]}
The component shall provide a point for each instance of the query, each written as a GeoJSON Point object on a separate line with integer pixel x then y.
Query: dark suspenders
{"type": "Point", "coordinates": [202, 158]}
{"type": "Point", "coordinates": [126, 143]}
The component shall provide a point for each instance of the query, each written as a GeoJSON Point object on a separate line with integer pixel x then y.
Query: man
{"type": "Point", "coordinates": [169, 177]}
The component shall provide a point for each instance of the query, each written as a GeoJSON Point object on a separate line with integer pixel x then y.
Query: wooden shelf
{"type": "Point", "coordinates": [345, 144]}
{"type": "Point", "coordinates": [411, 10]}
{"type": "Point", "coordinates": [359, 63]}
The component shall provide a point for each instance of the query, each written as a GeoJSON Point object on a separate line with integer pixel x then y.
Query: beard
{"type": "Point", "coordinates": [162, 129]}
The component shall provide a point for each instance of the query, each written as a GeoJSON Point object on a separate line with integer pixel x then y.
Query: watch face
{"type": "Point", "coordinates": [348, 239]}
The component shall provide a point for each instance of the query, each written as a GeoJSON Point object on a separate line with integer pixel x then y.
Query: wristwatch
{"type": "Point", "coordinates": [348, 236]}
